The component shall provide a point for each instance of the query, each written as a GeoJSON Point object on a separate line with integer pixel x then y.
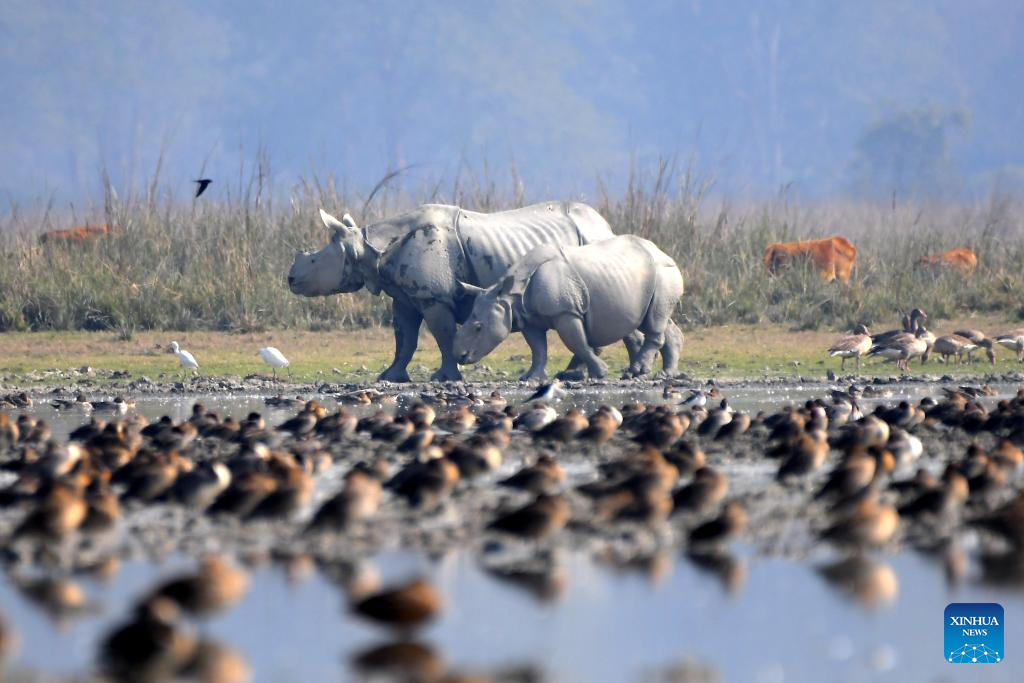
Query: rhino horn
{"type": "Point", "coordinates": [466, 289]}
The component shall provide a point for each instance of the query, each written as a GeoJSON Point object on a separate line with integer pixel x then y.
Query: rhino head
{"type": "Point", "coordinates": [489, 323]}
{"type": "Point", "coordinates": [334, 268]}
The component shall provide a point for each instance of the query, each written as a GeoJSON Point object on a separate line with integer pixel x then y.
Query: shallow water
{"type": "Point", "coordinates": [742, 617]}
{"type": "Point", "coordinates": [746, 398]}
{"type": "Point", "coordinates": [772, 620]}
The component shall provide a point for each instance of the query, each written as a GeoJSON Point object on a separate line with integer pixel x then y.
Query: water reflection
{"type": "Point", "coordinates": [61, 599]}
{"type": "Point", "coordinates": [862, 579]}
{"type": "Point", "coordinates": [541, 575]}
{"type": "Point", "coordinates": [1003, 570]}
{"type": "Point", "coordinates": [656, 567]}
{"type": "Point", "coordinates": [8, 641]}
{"type": "Point", "coordinates": [584, 617]}
{"type": "Point", "coordinates": [730, 570]}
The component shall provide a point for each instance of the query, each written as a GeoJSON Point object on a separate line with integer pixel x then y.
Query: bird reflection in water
{"type": "Point", "coordinates": [871, 583]}
{"type": "Point", "coordinates": [727, 567]}
{"type": "Point", "coordinates": [542, 575]}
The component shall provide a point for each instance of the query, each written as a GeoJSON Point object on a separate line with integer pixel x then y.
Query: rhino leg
{"type": "Point", "coordinates": [633, 342]}
{"type": "Point", "coordinates": [656, 338]}
{"type": "Point", "coordinates": [573, 371]}
{"type": "Point", "coordinates": [405, 320]}
{"type": "Point", "coordinates": [645, 359]}
{"type": "Point", "coordinates": [441, 322]}
{"type": "Point", "coordinates": [570, 329]}
{"type": "Point", "coordinates": [538, 341]}
{"type": "Point", "coordinates": [657, 325]}
{"type": "Point", "coordinates": [671, 349]}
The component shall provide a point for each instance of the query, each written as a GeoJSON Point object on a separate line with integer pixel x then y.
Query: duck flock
{"type": "Point", "coordinates": [915, 340]}
{"type": "Point", "coordinates": [511, 481]}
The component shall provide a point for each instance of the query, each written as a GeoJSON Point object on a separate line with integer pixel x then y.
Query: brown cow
{"type": "Point", "coordinates": [79, 235]}
{"type": "Point", "coordinates": [833, 257]}
{"type": "Point", "coordinates": [961, 260]}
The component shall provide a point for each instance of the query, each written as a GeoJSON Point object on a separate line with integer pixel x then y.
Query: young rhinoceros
{"type": "Point", "coordinates": [593, 295]}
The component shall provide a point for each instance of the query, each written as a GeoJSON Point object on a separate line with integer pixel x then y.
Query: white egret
{"type": "Point", "coordinates": [274, 358]}
{"type": "Point", "coordinates": [188, 361]}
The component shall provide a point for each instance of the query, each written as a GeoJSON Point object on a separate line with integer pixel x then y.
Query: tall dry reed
{"type": "Point", "coordinates": [179, 264]}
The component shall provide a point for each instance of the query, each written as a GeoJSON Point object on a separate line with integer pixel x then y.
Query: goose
{"type": "Point", "coordinates": [982, 340]}
{"type": "Point", "coordinates": [910, 324]}
{"type": "Point", "coordinates": [1013, 340]}
{"type": "Point", "coordinates": [929, 340]}
{"type": "Point", "coordinates": [852, 346]}
{"type": "Point", "coordinates": [953, 345]}
{"type": "Point", "coordinates": [903, 347]}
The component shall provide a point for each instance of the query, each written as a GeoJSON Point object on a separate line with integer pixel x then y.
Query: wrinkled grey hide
{"type": "Point", "coordinates": [419, 258]}
{"type": "Point", "coordinates": [593, 295]}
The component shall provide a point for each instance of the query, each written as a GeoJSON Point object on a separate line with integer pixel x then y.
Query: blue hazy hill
{"type": "Point", "coordinates": [821, 97]}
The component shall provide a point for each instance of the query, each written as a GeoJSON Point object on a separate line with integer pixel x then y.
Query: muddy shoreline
{"type": "Point", "coordinates": [52, 383]}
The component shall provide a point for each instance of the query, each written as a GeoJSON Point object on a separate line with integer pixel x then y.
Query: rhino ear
{"type": "Point", "coordinates": [466, 289]}
{"type": "Point", "coordinates": [333, 223]}
{"type": "Point", "coordinates": [505, 288]}
{"type": "Point", "coordinates": [349, 221]}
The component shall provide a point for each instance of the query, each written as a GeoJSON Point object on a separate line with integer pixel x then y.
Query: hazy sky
{"type": "Point", "coordinates": [760, 94]}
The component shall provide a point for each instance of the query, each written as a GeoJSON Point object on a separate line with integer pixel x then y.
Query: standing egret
{"type": "Point", "coordinates": [188, 361]}
{"type": "Point", "coordinates": [274, 358]}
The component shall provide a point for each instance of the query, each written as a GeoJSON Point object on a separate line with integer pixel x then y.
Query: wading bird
{"type": "Point", "coordinates": [274, 358]}
{"type": "Point", "coordinates": [188, 361]}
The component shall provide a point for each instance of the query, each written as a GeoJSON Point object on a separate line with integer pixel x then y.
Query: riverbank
{"type": "Point", "coordinates": [725, 352]}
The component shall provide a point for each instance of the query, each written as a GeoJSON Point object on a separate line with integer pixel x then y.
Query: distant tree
{"type": "Point", "coordinates": [906, 152]}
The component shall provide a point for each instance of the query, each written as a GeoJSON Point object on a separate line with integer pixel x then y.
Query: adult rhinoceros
{"type": "Point", "coordinates": [419, 258]}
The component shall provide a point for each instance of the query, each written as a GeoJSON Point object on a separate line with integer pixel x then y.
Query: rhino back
{"type": "Point", "coordinates": [496, 241]}
{"type": "Point", "coordinates": [620, 275]}
{"type": "Point", "coordinates": [610, 284]}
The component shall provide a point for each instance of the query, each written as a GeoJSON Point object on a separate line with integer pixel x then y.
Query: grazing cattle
{"type": "Point", "coordinates": [961, 260]}
{"type": "Point", "coordinates": [79, 235]}
{"type": "Point", "coordinates": [832, 257]}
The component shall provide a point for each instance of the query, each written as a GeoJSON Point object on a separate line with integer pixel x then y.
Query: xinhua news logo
{"type": "Point", "coordinates": [974, 633]}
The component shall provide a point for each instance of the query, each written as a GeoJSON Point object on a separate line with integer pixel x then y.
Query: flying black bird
{"type": "Point", "coordinates": [203, 184]}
